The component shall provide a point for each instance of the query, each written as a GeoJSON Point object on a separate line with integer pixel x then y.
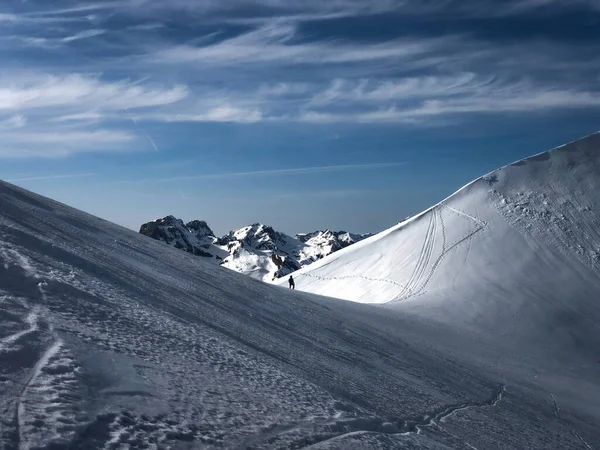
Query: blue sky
{"type": "Point", "coordinates": [343, 114]}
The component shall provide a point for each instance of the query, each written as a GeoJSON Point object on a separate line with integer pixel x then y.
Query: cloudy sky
{"type": "Point", "coordinates": [347, 114]}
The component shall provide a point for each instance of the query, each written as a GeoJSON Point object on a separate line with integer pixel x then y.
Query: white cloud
{"type": "Point", "coordinates": [403, 88]}
{"type": "Point", "coordinates": [284, 89]}
{"type": "Point", "coordinates": [61, 108]}
{"type": "Point", "coordinates": [232, 114]}
{"type": "Point", "coordinates": [8, 17]}
{"type": "Point", "coordinates": [146, 26]}
{"type": "Point", "coordinates": [83, 35]}
{"type": "Point", "coordinates": [408, 100]}
{"type": "Point", "coordinates": [77, 91]}
{"type": "Point", "coordinates": [248, 78]}
{"type": "Point", "coordinates": [83, 116]}
{"type": "Point", "coordinates": [76, 9]}
{"type": "Point", "coordinates": [223, 113]}
{"type": "Point", "coordinates": [513, 101]}
{"type": "Point", "coordinates": [71, 138]}
{"type": "Point", "coordinates": [274, 44]}
{"type": "Point", "coordinates": [520, 102]}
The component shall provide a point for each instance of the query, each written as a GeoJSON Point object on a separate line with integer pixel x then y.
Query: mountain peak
{"type": "Point", "coordinates": [200, 228]}
{"type": "Point", "coordinates": [257, 249]}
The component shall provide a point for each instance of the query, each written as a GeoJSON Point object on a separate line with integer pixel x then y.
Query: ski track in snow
{"type": "Point", "coordinates": [31, 320]}
{"type": "Point", "coordinates": [562, 419]}
{"type": "Point", "coordinates": [410, 289]}
{"type": "Point", "coordinates": [44, 412]}
{"type": "Point", "coordinates": [24, 443]}
{"type": "Point", "coordinates": [424, 269]}
{"type": "Point", "coordinates": [449, 413]}
{"type": "Point", "coordinates": [47, 409]}
{"type": "Point", "coordinates": [421, 283]}
{"type": "Point", "coordinates": [404, 427]}
{"type": "Point", "coordinates": [418, 283]}
{"type": "Point", "coordinates": [9, 254]}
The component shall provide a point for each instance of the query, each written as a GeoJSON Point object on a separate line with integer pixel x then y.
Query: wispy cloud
{"type": "Point", "coordinates": [72, 138]}
{"type": "Point", "coordinates": [56, 42]}
{"type": "Point", "coordinates": [20, 92]}
{"type": "Point", "coordinates": [223, 113]}
{"type": "Point", "coordinates": [83, 35]}
{"type": "Point", "coordinates": [278, 62]}
{"type": "Point", "coordinates": [403, 88]}
{"type": "Point", "coordinates": [146, 26]}
{"type": "Point", "coordinates": [275, 43]}
{"type": "Point", "coordinates": [310, 10]}
{"type": "Point", "coordinates": [61, 109]}
{"type": "Point", "coordinates": [52, 144]}
{"type": "Point", "coordinates": [51, 177]}
{"type": "Point", "coordinates": [110, 5]}
{"type": "Point", "coordinates": [82, 116]}
{"type": "Point", "coordinates": [413, 100]}
{"type": "Point", "coordinates": [17, 121]}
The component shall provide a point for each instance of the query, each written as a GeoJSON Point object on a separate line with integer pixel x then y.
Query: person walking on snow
{"type": "Point", "coordinates": [292, 284]}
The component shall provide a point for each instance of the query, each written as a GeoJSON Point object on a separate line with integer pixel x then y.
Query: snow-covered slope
{"type": "Point", "coordinates": [515, 253]}
{"type": "Point", "coordinates": [112, 340]}
{"type": "Point", "coordinates": [256, 250]}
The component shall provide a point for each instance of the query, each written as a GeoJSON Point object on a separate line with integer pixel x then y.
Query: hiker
{"type": "Point", "coordinates": [292, 284]}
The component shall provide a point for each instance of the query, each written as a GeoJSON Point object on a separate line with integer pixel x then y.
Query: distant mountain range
{"type": "Point", "coordinates": [256, 250]}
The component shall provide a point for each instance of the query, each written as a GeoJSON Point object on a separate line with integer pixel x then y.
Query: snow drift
{"type": "Point", "coordinates": [109, 339]}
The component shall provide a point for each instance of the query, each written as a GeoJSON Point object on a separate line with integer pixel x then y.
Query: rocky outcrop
{"type": "Point", "coordinates": [196, 237]}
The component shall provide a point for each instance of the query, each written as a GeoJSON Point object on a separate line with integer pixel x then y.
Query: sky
{"type": "Point", "coordinates": [339, 114]}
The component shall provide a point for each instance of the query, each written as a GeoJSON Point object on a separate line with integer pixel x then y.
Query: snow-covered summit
{"type": "Point", "coordinates": [260, 237]}
{"type": "Point", "coordinates": [322, 243]}
{"type": "Point", "coordinates": [338, 237]}
{"type": "Point", "coordinates": [256, 250]}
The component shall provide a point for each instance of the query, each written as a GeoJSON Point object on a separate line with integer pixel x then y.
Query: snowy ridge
{"type": "Point", "coordinates": [469, 195]}
{"type": "Point", "coordinates": [112, 340]}
{"type": "Point", "coordinates": [256, 250]}
{"type": "Point", "coordinates": [500, 250]}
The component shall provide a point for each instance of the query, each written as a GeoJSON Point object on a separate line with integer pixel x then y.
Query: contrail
{"type": "Point", "coordinates": [53, 177]}
{"type": "Point", "coordinates": [152, 142]}
{"type": "Point", "coordinates": [290, 171]}
{"type": "Point", "coordinates": [145, 134]}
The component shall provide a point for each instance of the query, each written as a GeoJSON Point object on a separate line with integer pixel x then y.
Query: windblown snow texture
{"type": "Point", "coordinates": [112, 340]}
